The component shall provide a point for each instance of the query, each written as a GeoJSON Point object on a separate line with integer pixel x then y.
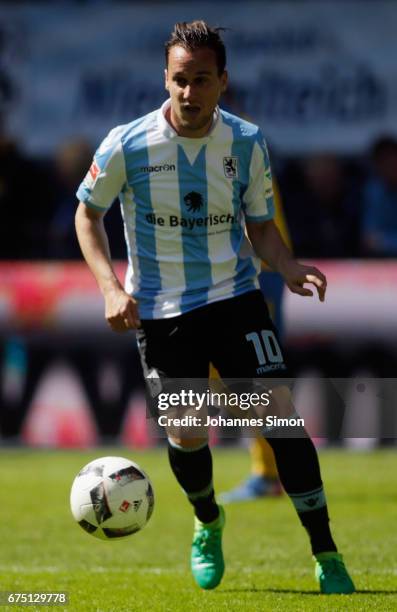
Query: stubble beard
{"type": "Point", "coordinates": [194, 125]}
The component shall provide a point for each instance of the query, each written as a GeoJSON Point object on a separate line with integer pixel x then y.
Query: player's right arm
{"type": "Point", "coordinates": [102, 184]}
{"type": "Point", "coordinates": [120, 308]}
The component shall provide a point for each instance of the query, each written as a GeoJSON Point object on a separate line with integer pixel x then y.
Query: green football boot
{"type": "Point", "coordinates": [332, 575]}
{"type": "Point", "coordinates": [207, 558]}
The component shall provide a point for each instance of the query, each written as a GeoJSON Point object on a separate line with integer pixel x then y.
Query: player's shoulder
{"type": "Point", "coordinates": [241, 127]}
{"type": "Point", "coordinates": [140, 127]}
{"type": "Point", "coordinates": [132, 131]}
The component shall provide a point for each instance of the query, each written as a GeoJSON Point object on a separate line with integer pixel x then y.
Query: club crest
{"type": "Point", "coordinates": [230, 167]}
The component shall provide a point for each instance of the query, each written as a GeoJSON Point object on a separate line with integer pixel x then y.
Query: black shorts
{"type": "Point", "coordinates": [236, 335]}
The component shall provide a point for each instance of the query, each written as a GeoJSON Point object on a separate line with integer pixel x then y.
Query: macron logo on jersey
{"type": "Point", "coordinates": [159, 168]}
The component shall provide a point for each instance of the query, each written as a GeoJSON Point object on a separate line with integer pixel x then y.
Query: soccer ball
{"type": "Point", "coordinates": [111, 497]}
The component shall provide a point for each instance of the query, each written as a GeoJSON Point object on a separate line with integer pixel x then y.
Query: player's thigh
{"type": "Point", "coordinates": [172, 348]}
{"type": "Point", "coordinates": [246, 342]}
{"type": "Point", "coordinates": [174, 362]}
{"type": "Point", "coordinates": [248, 354]}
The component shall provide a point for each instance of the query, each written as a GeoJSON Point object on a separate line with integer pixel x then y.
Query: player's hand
{"type": "Point", "coordinates": [297, 275]}
{"type": "Point", "coordinates": [121, 311]}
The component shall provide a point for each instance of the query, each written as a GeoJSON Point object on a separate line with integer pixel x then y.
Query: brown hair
{"type": "Point", "coordinates": [198, 35]}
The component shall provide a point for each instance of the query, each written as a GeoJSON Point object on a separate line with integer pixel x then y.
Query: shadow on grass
{"type": "Point", "coordinates": [300, 592]}
{"type": "Point", "coordinates": [255, 590]}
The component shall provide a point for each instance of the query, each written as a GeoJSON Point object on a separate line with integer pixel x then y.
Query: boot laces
{"type": "Point", "coordinates": [334, 568]}
{"type": "Point", "coordinates": [207, 540]}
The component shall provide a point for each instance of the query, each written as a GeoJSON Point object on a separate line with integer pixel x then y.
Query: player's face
{"type": "Point", "coordinates": [195, 87]}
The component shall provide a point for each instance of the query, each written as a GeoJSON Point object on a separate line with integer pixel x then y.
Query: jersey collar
{"type": "Point", "coordinates": [169, 132]}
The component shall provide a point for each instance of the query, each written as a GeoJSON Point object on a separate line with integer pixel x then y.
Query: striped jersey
{"type": "Point", "coordinates": [184, 203]}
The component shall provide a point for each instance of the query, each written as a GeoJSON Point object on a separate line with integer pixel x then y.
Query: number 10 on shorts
{"type": "Point", "coordinates": [266, 346]}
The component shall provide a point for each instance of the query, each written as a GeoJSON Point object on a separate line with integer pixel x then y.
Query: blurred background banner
{"type": "Point", "coordinates": [67, 380]}
{"type": "Point", "coordinates": [50, 296]}
{"type": "Point", "coordinates": [360, 305]}
{"type": "Point", "coordinates": [58, 296]}
{"type": "Point", "coordinates": [314, 75]}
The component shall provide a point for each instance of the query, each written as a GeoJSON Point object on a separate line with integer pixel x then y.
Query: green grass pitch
{"type": "Point", "coordinates": [268, 564]}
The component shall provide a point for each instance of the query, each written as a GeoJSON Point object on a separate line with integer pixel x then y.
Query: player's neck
{"type": "Point", "coordinates": [186, 132]}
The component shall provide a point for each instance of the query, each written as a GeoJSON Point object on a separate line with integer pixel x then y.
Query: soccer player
{"type": "Point", "coordinates": [190, 178]}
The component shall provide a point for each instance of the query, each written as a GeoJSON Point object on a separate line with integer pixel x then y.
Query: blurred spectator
{"type": "Point", "coordinates": [72, 161]}
{"type": "Point", "coordinates": [379, 224]}
{"type": "Point", "coordinates": [24, 203]}
{"type": "Point", "coordinates": [322, 208]}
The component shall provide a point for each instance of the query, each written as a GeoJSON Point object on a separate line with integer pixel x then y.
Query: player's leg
{"type": "Point", "coordinates": [172, 350]}
{"type": "Point", "coordinates": [299, 471]}
{"type": "Point", "coordinates": [263, 462]}
{"type": "Point", "coordinates": [191, 462]}
{"type": "Point", "coordinates": [296, 457]}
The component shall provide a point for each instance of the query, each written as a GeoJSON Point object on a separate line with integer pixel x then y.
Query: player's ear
{"type": "Point", "coordinates": [166, 79]}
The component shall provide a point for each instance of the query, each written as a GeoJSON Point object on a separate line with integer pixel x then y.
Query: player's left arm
{"type": "Point", "coordinates": [268, 244]}
{"type": "Point", "coordinates": [263, 233]}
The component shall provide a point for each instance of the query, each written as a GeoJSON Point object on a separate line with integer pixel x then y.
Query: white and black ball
{"type": "Point", "coordinates": [111, 498]}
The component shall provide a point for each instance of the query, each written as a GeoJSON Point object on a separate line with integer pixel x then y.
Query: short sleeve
{"type": "Point", "coordinates": [258, 198]}
{"type": "Point", "coordinates": [106, 177]}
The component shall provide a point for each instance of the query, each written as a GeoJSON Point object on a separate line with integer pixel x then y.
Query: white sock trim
{"type": "Point", "coordinates": [184, 449]}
